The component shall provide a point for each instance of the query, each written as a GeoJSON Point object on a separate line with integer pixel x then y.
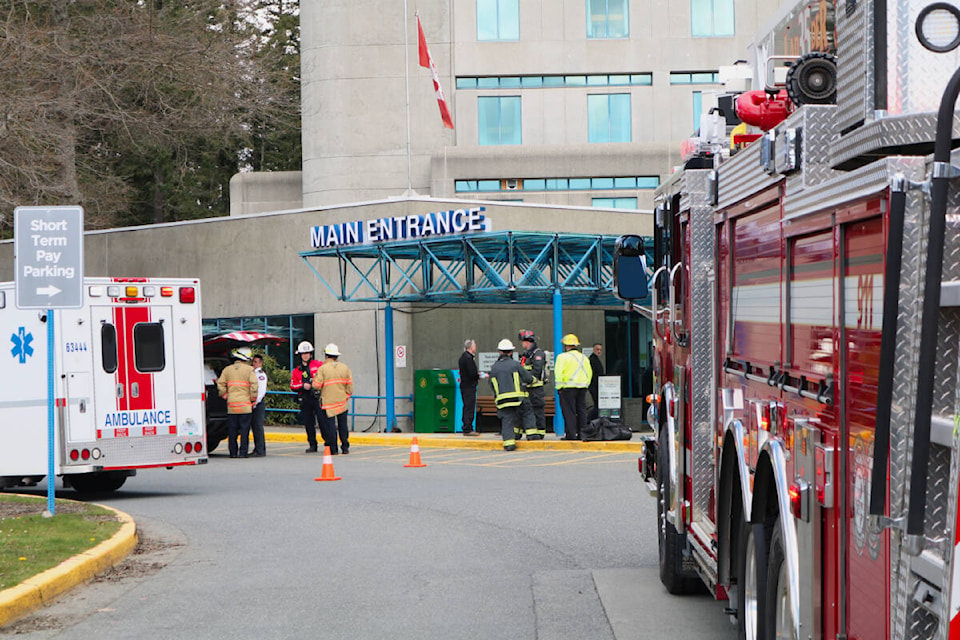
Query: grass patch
{"type": "Point", "coordinates": [31, 544]}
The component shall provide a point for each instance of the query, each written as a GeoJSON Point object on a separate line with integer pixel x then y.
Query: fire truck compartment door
{"type": "Point", "coordinates": [134, 385]}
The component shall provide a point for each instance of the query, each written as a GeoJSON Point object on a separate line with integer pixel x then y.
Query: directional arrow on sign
{"type": "Point", "coordinates": [48, 291]}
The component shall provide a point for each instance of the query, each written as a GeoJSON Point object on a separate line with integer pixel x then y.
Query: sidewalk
{"type": "Point", "coordinates": [490, 441]}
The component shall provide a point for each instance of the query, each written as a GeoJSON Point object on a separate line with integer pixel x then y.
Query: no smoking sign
{"type": "Point", "coordinates": [401, 357]}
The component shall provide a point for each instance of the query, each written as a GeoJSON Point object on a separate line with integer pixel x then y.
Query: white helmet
{"type": "Point", "coordinates": [242, 353]}
{"type": "Point", "coordinates": [332, 350]}
{"type": "Point", "coordinates": [505, 345]}
{"type": "Point", "coordinates": [305, 347]}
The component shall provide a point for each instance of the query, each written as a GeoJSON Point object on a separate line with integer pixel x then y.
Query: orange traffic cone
{"type": "Point", "coordinates": [327, 473]}
{"type": "Point", "coordinates": [415, 454]}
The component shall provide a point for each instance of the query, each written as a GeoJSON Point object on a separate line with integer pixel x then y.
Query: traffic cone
{"type": "Point", "coordinates": [327, 473]}
{"type": "Point", "coordinates": [415, 454]}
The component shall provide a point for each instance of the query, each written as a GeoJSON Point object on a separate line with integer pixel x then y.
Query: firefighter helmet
{"type": "Point", "coordinates": [242, 353]}
{"type": "Point", "coordinates": [526, 334]}
{"type": "Point", "coordinates": [570, 340]}
{"type": "Point", "coordinates": [505, 345]}
{"type": "Point", "coordinates": [304, 347]}
{"type": "Point", "coordinates": [332, 350]}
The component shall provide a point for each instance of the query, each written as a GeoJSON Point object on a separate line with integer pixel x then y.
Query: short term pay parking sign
{"type": "Point", "coordinates": [48, 247]}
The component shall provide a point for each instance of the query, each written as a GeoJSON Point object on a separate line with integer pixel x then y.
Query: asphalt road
{"type": "Point", "coordinates": [544, 545]}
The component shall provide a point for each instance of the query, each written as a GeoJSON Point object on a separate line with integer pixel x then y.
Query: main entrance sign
{"type": "Point", "coordinates": [439, 223]}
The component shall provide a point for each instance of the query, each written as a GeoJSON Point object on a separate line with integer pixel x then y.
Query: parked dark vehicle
{"type": "Point", "coordinates": [216, 356]}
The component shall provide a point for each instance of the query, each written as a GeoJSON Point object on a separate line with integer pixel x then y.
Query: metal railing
{"type": "Point", "coordinates": [352, 412]}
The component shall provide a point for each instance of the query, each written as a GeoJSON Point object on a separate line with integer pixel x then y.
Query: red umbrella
{"type": "Point", "coordinates": [227, 341]}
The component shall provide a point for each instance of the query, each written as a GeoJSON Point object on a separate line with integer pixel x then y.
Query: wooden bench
{"type": "Point", "coordinates": [487, 408]}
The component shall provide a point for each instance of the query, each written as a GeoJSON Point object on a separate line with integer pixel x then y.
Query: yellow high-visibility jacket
{"type": "Point", "coordinates": [572, 370]}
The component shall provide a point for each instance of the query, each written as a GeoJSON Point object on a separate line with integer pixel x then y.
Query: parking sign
{"type": "Point", "coordinates": [48, 248]}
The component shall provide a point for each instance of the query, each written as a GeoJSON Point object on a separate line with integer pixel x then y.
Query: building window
{"type": "Point", "coordinates": [644, 79]}
{"type": "Point", "coordinates": [559, 184]}
{"type": "Point", "coordinates": [697, 109]}
{"type": "Point", "coordinates": [607, 19]}
{"type": "Point", "coordinates": [294, 328]}
{"type": "Point", "coordinates": [615, 203]}
{"type": "Point", "coordinates": [694, 77]}
{"type": "Point", "coordinates": [608, 118]}
{"type": "Point", "coordinates": [711, 18]}
{"type": "Point", "coordinates": [498, 20]}
{"type": "Point", "coordinates": [499, 120]}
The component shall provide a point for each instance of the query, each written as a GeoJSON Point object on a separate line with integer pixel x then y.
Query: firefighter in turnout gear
{"type": "Point", "coordinates": [508, 378]}
{"type": "Point", "coordinates": [534, 360]}
{"type": "Point", "coordinates": [238, 386]}
{"type": "Point", "coordinates": [301, 381]}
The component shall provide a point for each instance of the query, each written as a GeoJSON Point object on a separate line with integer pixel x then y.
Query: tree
{"type": "Point", "coordinates": [137, 110]}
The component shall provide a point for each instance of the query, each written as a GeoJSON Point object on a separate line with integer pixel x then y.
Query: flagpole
{"type": "Point", "coordinates": [406, 83]}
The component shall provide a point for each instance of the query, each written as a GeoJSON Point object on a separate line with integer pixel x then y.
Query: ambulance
{"type": "Point", "coordinates": [126, 371]}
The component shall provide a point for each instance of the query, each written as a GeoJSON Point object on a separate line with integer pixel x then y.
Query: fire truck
{"type": "Point", "coordinates": [805, 305]}
{"type": "Point", "coordinates": [127, 376]}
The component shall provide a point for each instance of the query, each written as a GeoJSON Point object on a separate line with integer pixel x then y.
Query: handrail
{"type": "Point", "coordinates": [353, 406]}
{"type": "Point", "coordinates": [673, 299]}
{"type": "Point", "coordinates": [654, 302]}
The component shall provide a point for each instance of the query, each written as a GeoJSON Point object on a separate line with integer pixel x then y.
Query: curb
{"type": "Point", "coordinates": [457, 441]}
{"type": "Point", "coordinates": [43, 588]}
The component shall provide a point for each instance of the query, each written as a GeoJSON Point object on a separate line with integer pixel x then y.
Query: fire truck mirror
{"type": "Point", "coordinates": [630, 268]}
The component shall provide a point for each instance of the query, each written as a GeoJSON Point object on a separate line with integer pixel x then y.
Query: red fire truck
{"type": "Point", "coordinates": [805, 301]}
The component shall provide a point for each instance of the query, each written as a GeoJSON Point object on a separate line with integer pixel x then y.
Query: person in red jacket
{"type": "Point", "coordinates": [301, 381]}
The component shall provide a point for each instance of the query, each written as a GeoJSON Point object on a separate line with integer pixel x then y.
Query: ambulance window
{"type": "Point", "coordinates": [108, 347]}
{"type": "Point", "coordinates": [148, 351]}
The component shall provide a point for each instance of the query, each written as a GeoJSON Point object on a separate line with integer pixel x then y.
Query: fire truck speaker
{"type": "Point", "coordinates": [813, 79]}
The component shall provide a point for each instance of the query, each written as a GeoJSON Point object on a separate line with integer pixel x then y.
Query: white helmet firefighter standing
{"type": "Point", "coordinates": [301, 381]}
{"type": "Point", "coordinates": [238, 385]}
{"type": "Point", "coordinates": [509, 380]}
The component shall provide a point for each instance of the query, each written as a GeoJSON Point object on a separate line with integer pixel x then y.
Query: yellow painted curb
{"type": "Point", "coordinates": [456, 441]}
{"type": "Point", "coordinates": [45, 587]}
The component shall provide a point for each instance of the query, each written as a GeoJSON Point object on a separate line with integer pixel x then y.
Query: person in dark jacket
{"type": "Point", "coordinates": [597, 366]}
{"type": "Point", "coordinates": [534, 360]}
{"type": "Point", "coordinates": [469, 377]}
{"type": "Point", "coordinates": [509, 380]}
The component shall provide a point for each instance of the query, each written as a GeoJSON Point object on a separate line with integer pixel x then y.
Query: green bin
{"type": "Point", "coordinates": [434, 403]}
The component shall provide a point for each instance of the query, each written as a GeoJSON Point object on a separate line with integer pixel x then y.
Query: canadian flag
{"type": "Point", "coordinates": [426, 61]}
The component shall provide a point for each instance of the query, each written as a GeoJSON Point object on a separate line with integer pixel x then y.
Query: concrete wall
{"type": "Point", "coordinates": [261, 192]}
{"type": "Point", "coordinates": [250, 266]}
{"type": "Point", "coordinates": [355, 113]}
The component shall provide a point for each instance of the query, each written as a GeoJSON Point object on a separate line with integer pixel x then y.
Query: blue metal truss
{"type": "Point", "coordinates": [490, 268]}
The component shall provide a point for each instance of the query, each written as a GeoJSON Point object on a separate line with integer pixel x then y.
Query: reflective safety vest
{"type": "Point", "coordinates": [507, 377]}
{"type": "Point", "coordinates": [572, 370]}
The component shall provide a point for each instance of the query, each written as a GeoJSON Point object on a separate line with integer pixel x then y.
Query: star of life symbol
{"type": "Point", "coordinates": [21, 344]}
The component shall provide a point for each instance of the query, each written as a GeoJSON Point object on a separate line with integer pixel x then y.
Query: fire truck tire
{"type": "Point", "coordinates": [751, 580]}
{"type": "Point", "coordinates": [100, 482]}
{"type": "Point", "coordinates": [674, 577]}
{"type": "Point", "coordinates": [779, 620]}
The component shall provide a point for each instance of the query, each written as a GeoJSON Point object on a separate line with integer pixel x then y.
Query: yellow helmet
{"type": "Point", "coordinates": [570, 340]}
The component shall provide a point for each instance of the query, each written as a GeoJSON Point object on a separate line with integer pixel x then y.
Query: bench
{"type": "Point", "coordinates": [487, 408]}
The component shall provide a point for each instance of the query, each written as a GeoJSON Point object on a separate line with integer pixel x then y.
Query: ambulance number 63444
{"type": "Point", "coordinates": [73, 347]}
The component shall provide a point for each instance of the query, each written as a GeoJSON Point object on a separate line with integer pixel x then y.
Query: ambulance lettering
{"type": "Point", "coordinates": [151, 418]}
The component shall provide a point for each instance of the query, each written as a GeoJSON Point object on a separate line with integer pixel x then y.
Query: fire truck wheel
{"type": "Point", "coordinates": [101, 482]}
{"type": "Point", "coordinates": [751, 579]}
{"type": "Point", "coordinates": [779, 621]}
{"type": "Point", "coordinates": [675, 578]}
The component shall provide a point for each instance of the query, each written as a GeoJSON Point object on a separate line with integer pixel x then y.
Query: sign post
{"type": "Point", "coordinates": [48, 259]}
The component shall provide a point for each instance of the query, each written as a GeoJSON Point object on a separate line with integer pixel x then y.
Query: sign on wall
{"type": "Point", "coordinates": [401, 357]}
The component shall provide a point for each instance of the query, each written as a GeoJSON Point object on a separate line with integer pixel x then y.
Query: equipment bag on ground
{"type": "Point", "coordinates": [605, 429]}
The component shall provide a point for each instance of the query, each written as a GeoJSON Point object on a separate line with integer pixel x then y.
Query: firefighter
{"type": "Point", "coordinates": [334, 383]}
{"type": "Point", "coordinates": [238, 385]}
{"type": "Point", "coordinates": [534, 360]}
{"type": "Point", "coordinates": [301, 381]}
{"type": "Point", "coordinates": [513, 406]}
{"type": "Point", "coordinates": [573, 372]}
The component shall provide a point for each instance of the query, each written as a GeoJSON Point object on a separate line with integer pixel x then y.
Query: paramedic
{"type": "Point", "coordinates": [301, 380]}
{"type": "Point", "coordinates": [238, 385]}
{"type": "Point", "coordinates": [259, 408]}
{"type": "Point", "coordinates": [535, 361]}
{"type": "Point", "coordinates": [572, 371]}
{"type": "Point", "coordinates": [334, 383]}
{"type": "Point", "coordinates": [508, 378]}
